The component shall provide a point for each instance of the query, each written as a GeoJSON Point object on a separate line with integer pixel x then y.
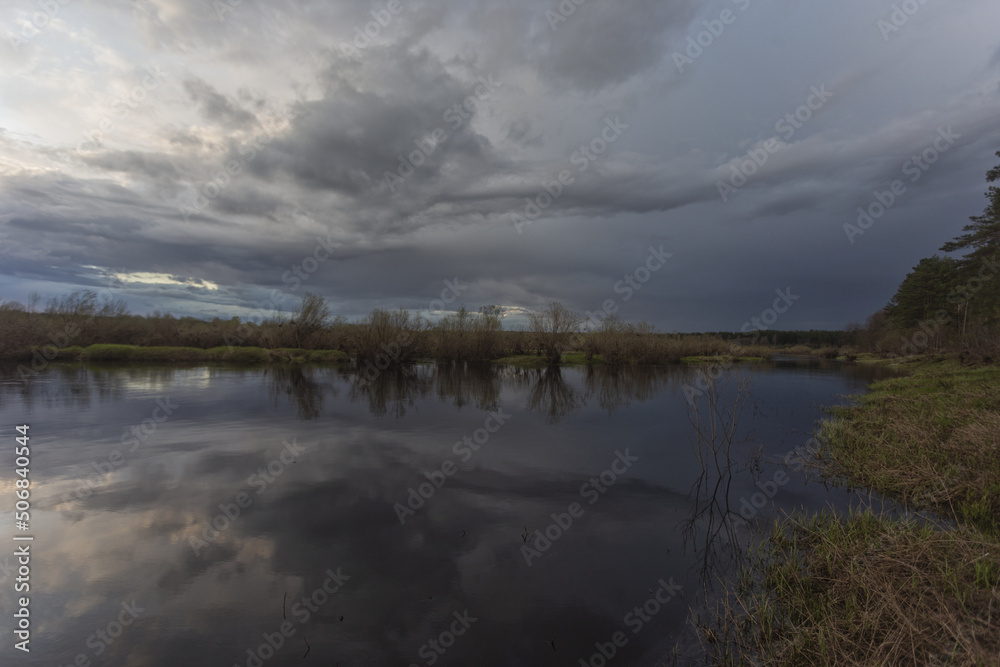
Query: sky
{"type": "Point", "coordinates": [688, 164]}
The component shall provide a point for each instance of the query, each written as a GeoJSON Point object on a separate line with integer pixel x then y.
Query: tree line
{"type": "Point", "coordinates": [946, 304]}
{"type": "Point", "coordinates": [384, 336]}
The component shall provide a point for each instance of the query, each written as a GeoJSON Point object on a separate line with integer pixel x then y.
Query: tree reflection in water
{"type": "Point", "coordinates": [394, 390]}
{"type": "Point", "coordinates": [296, 383]}
{"type": "Point", "coordinates": [715, 531]}
{"type": "Point", "coordinates": [552, 396]}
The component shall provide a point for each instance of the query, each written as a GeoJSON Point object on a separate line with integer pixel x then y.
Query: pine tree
{"type": "Point", "coordinates": [923, 292]}
{"type": "Point", "coordinates": [983, 235]}
{"type": "Point", "coordinates": [978, 293]}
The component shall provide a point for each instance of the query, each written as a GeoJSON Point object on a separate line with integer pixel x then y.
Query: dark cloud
{"type": "Point", "coordinates": [238, 183]}
{"type": "Point", "coordinates": [603, 43]}
{"type": "Point", "coordinates": [215, 106]}
{"type": "Point", "coordinates": [155, 167]}
{"type": "Point", "coordinates": [376, 110]}
{"type": "Point", "coordinates": [519, 132]}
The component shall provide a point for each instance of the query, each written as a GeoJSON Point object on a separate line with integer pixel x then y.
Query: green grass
{"type": "Point", "coordinates": [522, 361]}
{"type": "Point", "coordinates": [866, 590]}
{"type": "Point", "coordinates": [579, 359]}
{"type": "Point", "coordinates": [930, 439]}
{"type": "Point", "coordinates": [534, 361]}
{"type": "Point", "coordinates": [239, 355]}
{"type": "Point", "coordinates": [719, 359]}
{"type": "Point", "coordinates": [233, 355]}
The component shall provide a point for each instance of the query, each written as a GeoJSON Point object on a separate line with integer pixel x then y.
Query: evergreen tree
{"type": "Point", "coordinates": [983, 235]}
{"type": "Point", "coordinates": [978, 293]}
{"type": "Point", "coordinates": [923, 293]}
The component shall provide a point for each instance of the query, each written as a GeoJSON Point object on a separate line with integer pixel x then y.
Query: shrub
{"type": "Point", "coordinates": [395, 335]}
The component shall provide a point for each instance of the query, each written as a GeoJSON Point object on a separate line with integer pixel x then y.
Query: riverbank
{"type": "Point", "coordinates": [866, 589]}
{"type": "Point", "coordinates": [232, 355]}
{"type": "Point", "coordinates": [260, 355]}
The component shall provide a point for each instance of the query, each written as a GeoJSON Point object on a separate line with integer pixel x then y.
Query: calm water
{"type": "Point", "coordinates": [334, 544]}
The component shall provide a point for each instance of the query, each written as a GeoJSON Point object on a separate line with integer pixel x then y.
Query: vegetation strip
{"type": "Point", "coordinates": [240, 355]}
{"type": "Point", "coordinates": [866, 589]}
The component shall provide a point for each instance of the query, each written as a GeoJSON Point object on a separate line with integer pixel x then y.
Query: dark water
{"type": "Point", "coordinates": [126, 568]}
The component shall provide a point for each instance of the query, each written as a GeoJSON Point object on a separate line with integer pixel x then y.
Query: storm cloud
{"type": "Point", "coordinates": [534, 151]}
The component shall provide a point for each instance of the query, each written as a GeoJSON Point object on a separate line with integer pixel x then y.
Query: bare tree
{"type": "Point", "coordinates": [113, 307]}
{"type": "Point", "coordinates": [313, 315]}
{"type": "Point", "coordinates": [387, 337]}
{"type": "Point", "coordinates": [554, 327]}
{"type": "Point", "coordinates": [79, 303]}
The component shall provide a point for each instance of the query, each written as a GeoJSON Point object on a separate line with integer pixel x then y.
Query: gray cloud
{"type": "Point", "coordinates": [215, 106]}
{"type": "Point", "coordinates": [237, 183]}
{"type": "Point", "coordinates": [603, 44]}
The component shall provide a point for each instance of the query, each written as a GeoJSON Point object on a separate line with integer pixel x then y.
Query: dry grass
{"type": "Point", "coordinates": [931, 440]}
{"type": "Point", "coordinates": [867, 590]}
{"type": "Point", "coordinates": [234, 355]}
{"type": "Point", "coordinates": [864, 590]}
{"type": "Point", "coordinates": [618, 343]}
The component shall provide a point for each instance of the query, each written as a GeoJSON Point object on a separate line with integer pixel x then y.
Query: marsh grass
{"type": "Point", "coordinates": [523, 361]}
{"type": "Point", "coordinates": [618, 343]}
{"type": "Point", "coordinates": [930, 439]}
{"type": "Point", "coordinates": [866, 589]}
{"type": "Point", "coordinates": [240, 355]}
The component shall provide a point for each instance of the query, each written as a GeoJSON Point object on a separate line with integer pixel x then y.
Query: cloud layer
{"type": "Point", "coordinates": [535, 152]}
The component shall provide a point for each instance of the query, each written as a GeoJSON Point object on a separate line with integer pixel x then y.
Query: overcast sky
{"type": "Point", "coordinates": [188, 155]}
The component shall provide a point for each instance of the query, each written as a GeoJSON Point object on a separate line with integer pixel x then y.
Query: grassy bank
{"type": "Point", "coordinates": [871, 590]}
{"type": "Point", "coordinates": [930, 439]}
{"type": "Point", "coordinates": [866, 590]}
{"type": "Point", "coordinates": [259, 355]}
{"type": "Point", "coordinates": [720, 359]}
{"type": "Point", "coordinates": [238, 355]}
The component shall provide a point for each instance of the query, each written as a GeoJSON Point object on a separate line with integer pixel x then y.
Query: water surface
{"type": "Point", "coordinates": [131, 466]}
